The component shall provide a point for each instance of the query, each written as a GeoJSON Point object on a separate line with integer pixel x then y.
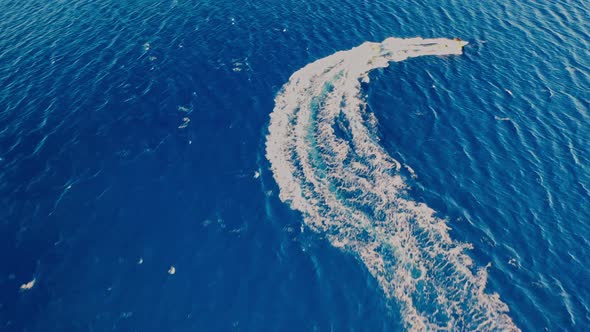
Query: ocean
{"type": "Point", "coordinates": [294, 165]}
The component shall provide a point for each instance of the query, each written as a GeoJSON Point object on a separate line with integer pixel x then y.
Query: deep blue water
{"type": "Point", "coordinates": [96, 174]}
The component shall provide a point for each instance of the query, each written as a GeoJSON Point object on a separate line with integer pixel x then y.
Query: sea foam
{"type": "Point", "coordinates": [326, 158]}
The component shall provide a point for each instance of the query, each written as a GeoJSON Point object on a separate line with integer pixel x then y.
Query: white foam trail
{"type": "Point", "coordinates": [326, 158]}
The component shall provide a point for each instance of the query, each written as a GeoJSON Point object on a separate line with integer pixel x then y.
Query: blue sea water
{"type": "Point", "coordinates": [132, 134]}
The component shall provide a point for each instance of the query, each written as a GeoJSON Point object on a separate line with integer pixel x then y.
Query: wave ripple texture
{"type": "Point", "coordinates": [326, 158]}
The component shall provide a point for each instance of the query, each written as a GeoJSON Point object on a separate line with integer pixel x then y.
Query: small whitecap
{"type": "Point", "coordinates": [185, 109]}
{"type": "Point", "coordinates": [411, 171]}
{"type": "Point", "coordinates": [502, 119]}
{"type": "Point", "coordinates": [29, 285]}
{"type": "Point", "coordinates": [185, 122]}
{"type": "Point", "coordinates": [126, 314]}
{"type": "Point", "coordinates": [512, 261]}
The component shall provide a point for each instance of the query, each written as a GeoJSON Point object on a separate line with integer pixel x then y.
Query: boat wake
{"type": "Point", "coordinates": [326, 158]}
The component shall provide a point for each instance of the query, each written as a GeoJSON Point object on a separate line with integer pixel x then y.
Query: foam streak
{"type": "Point", "coordinates": [327, 160]}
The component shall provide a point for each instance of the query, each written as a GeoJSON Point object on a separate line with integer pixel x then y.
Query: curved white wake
{"type": "Point", "coordinates": [329, 165]}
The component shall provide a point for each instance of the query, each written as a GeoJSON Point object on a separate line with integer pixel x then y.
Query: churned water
{"type": "Point", "coordinates": [287, 166]}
